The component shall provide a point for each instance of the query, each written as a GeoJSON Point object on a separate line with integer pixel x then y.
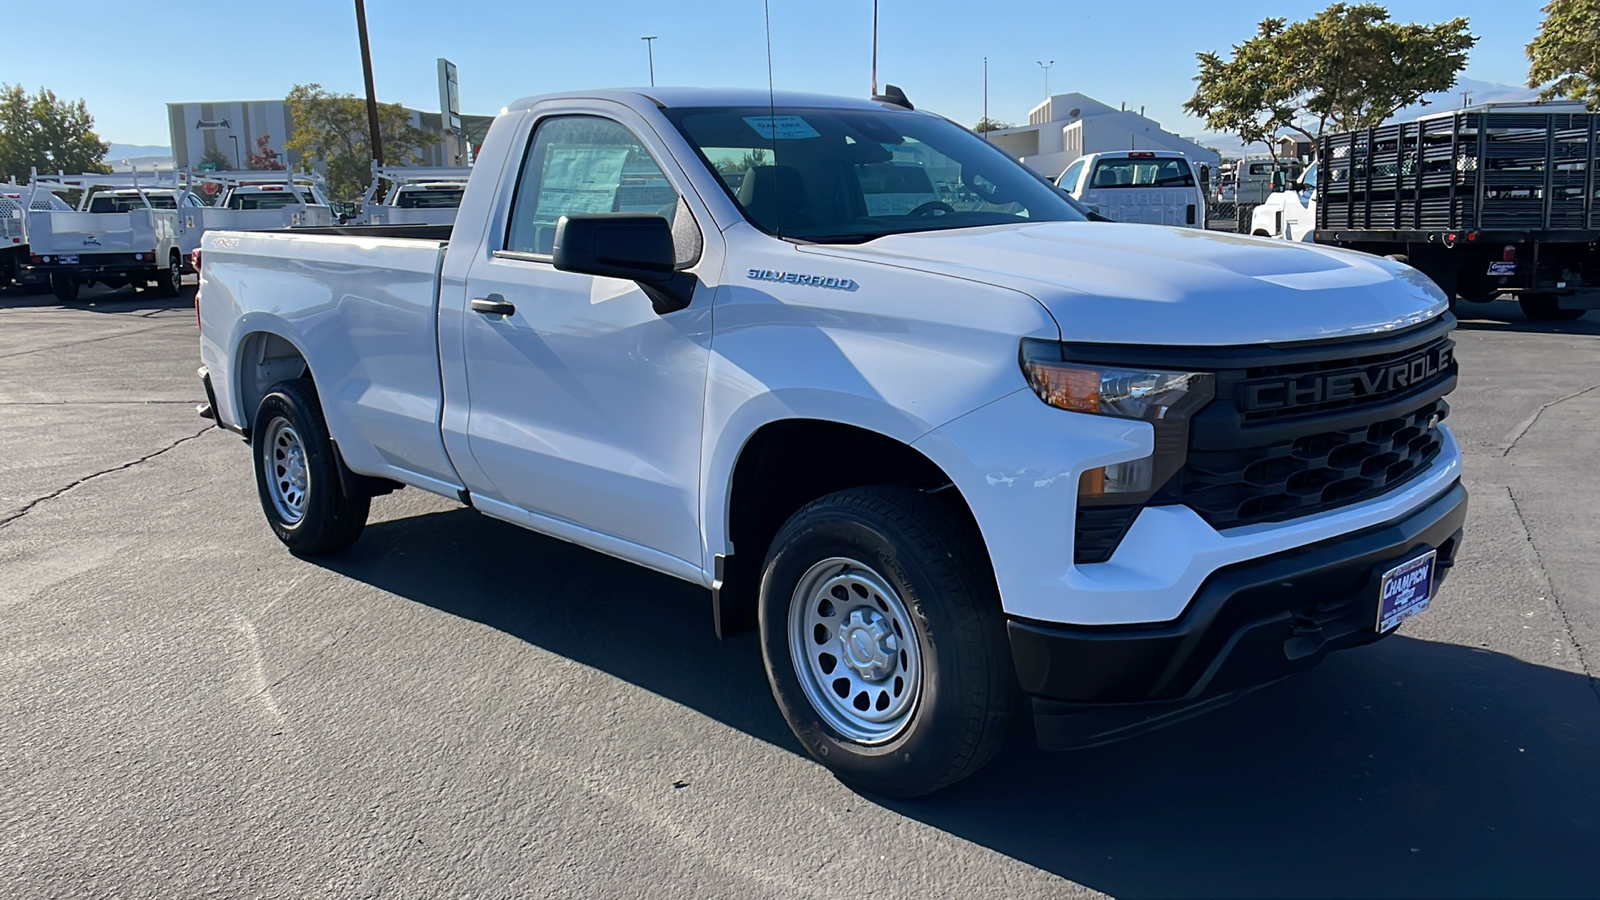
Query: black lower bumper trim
{"type": "Point", "coordinates": [1249, 625]}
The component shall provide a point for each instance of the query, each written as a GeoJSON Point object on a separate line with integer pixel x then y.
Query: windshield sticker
{"type": "Point", "coordinates": [789, 128]}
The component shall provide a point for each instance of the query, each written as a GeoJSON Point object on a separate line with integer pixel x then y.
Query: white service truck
{"type": "Point", "coordinates": [1150, 187]}
{"type": "Point", "coordinates": [263, 200]}
{"type": "Point", "coordinates": [945, 459]}
{"type": "Point", "coordinates": [136, 241]}
{"type": "Point", "coordinates": [414, 195]}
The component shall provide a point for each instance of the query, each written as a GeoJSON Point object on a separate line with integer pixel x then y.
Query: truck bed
{"type": "Point", "coordinates": [1527, 174]}
{"type": "Point", "coordinates": [362, 305]}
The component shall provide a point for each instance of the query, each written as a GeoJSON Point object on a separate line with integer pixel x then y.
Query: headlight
{"type": "Point", "coordinates": [1164, 399]}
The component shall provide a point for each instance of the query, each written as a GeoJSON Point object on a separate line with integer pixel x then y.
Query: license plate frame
{"type": "Point", "coordinates": [68, 259]}
{"type": "Point", "coordinates": [1411, 594]}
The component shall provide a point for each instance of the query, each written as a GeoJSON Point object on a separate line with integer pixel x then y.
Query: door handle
{"type": "Point", "coordinates": [493, 305]}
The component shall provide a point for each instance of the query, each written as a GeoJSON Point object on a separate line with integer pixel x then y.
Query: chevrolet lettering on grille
{"type": "Point", "coordinates": [1360, 383]}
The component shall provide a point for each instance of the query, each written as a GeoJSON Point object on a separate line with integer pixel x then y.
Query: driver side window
{"type": "Point", "coordinates": [583, 164]}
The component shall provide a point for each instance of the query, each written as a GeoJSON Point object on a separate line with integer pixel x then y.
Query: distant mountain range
{"type": "Point", "coordinates": [1477, 92]}
{"type": "Point", "coordinates": [135, 151]}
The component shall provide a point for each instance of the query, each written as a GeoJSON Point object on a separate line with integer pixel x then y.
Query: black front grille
{"type": "Point", "coordinates": [1313, 472]}
{"type": "Point", "coordinates": [1307, 388]}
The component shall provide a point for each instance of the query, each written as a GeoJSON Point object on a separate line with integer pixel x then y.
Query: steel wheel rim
{"type": "Point", "coordinates": [855, 649]}
{"type": "Point", "coordinates": [288, 478]}
{"type": "Point", "coordinates": [175, 272]}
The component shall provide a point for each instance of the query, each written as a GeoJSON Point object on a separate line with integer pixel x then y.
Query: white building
{"type": "Point", "coordinates": [1067, 126]}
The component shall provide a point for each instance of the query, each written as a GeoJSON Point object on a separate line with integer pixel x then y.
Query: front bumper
{"type": "Point", "coordinates": [1249, 625]}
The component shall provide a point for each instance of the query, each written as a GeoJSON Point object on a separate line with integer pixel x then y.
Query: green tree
{"type": "Point", "coordinates": [752, 159]}
{"type": "Point", "coordinates": [1347, 67]}
{"type": "Point", "coordinates": [1565, 57]}
{"type": "Point", "coordinates": [987, 124]}
{"type": "Point", "coordinates": [332, 128]}
{"type": "Point", "coordinates": [216, 161]}
{"type": "Point", "coordinates": [47, 133]}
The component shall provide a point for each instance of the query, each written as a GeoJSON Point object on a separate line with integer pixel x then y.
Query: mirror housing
{"type": "Point", "coordinates": [636, 247]}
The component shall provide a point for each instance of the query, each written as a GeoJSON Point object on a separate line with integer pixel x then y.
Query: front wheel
{"type": "Point", "coordinates": [1546, 308]}
{"type": "Point", "coordinates": [297, 474]}
{"type": "Point", "coordinates": [65, 287]}
{"type": "Point", "coordinates": [883, 640]}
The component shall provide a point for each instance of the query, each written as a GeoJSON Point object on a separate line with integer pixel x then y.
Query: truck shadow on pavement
{"type": "Point", "coordinates": [100, 300]}
{"type": "Point", "coordinates": [1504, 315]}
{"type": "Point", "coordinates": [1408, 768]}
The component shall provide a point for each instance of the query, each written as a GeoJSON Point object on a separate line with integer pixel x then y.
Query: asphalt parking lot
{"type": "Point", "coordinates": [456, 707]}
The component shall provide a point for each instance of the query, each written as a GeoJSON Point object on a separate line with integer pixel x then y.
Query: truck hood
{"type": "Point", "coordinates": [1142, 284]}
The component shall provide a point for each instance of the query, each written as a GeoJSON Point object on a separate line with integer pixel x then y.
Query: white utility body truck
{"type": "Point", "coordinates": [1150, 187]}
{"type": "Point", "coordinates": [258, 200]}
{"type": "Point", "coordinates": [136, 242]}
{"type": "Point", "coordinates": [945, 459]}
{"type": "Point", "coordinates": [414, 195]}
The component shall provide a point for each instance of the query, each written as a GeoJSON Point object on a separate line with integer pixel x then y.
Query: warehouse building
{"type": "Point", "coordinates": [1067, 126]}
{"type": "Point", "coordinates": [237, 129]}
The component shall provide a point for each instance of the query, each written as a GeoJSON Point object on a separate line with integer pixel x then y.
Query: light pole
{"type": "Point", "coordinates": [650, 47]}
{"type": "Point", "coordinates": [366, 71]}
{"type": "Point", "coordinates": [237, 165]}
{"type": "Point", "coordinates": [1046, 67]}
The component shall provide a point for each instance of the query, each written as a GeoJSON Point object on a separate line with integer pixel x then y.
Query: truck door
{"type": "Point", "coordinates": [585, 406]}
{"type": "Point", "coordinates": [1300, 207]}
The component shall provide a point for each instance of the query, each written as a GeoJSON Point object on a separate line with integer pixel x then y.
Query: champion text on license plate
{"type": "Point", "coordinates": [1405, 590]}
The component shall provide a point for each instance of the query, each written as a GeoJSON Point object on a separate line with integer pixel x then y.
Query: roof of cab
{"type": "Point", "coordinates": [675, 97]}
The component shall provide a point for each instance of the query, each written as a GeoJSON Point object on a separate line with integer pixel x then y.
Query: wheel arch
{"type": "Point", "coordinates": [262, 357]}
{"type": "Point", "coordinates": [789, 462]}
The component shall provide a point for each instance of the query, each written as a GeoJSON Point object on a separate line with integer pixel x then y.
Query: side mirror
{"type": "Point", "coordinates": [625, 245]}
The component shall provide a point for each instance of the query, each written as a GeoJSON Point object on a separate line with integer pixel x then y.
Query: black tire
{"type": "Point", "coordinates": [329, 520]}
{"type": "Point", "coordinates": [169, 282]}
{"type": "Point", "coordinates": [1545, 308]}
{"type": "Point", "coordinates": [65, 287]}
{"type": "Point", "coordinates": [936, 564]}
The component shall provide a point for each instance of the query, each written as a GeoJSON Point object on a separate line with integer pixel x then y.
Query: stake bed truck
{"type": "Point", "coordinates": [946, 460]}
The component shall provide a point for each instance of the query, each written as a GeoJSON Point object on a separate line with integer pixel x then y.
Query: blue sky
{"type": "Point", "coordinates": [1141, 52]}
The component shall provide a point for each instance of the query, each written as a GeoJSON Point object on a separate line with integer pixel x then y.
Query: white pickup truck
{"type": "Point", "coordinates": [1150, 187]}
{"type": "Point", "coordinates": [943, 458]}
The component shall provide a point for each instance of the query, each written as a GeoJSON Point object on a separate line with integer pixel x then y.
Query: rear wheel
{"type": "Point", "coordinates": [297, 474]}
{"type": "Point", "coordinates": [884, 642]}
{"type": "Point", "coordinates": [65, 287]}
{"type": "Point", "coordinates": [1546, 308]}
{"type": "Point", "coordinates": [170, 281]}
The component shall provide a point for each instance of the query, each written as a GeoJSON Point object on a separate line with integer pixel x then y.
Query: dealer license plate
{"type": "Point", "coordinates": [1405, 590]}
{"type": "Point", "coordinates": [68, 259]}
{"type": "Point", "coordinates": [1502, 268]}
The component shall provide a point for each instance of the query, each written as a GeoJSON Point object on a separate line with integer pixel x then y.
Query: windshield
{"type": "Point", "coordinates": [851, 175]}
{"type": "Point", "coordinates": [119, 203]}
{"type": "Point", "coordinates": [267, 199]}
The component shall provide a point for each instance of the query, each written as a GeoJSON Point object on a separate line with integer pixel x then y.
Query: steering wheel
{"type": "Point", "coordinates": [924, 210]}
